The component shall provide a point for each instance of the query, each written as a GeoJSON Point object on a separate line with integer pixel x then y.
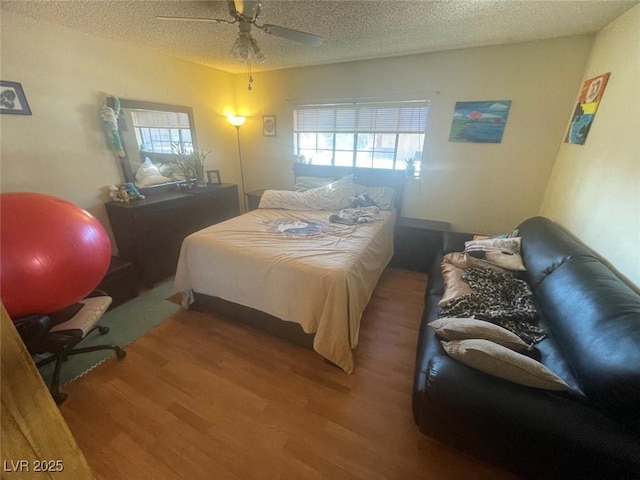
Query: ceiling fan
{"type": "Point", "coordinates": [245, 13]}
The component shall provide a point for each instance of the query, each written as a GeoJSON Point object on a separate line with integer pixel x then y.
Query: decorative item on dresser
{"type": "Point", "coordinates": [149, 232]}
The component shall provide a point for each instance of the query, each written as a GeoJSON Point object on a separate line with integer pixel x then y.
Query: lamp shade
{"type": "Point", "coordinates": [236, 121]}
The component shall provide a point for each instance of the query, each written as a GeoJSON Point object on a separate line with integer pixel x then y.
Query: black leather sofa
{"type": "Point", "coordinates": [592, 318]}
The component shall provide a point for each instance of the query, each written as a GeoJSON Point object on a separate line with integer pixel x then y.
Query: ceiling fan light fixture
{"type": "Point", "coordinates": [242, 48]}
{"type": "Point", "coordinates": [246, 49]}
{"type": "Point", "coordinates": [258, 54]}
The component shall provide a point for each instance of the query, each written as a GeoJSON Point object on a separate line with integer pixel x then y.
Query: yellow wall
{"type": "Point", "coordinates": [61, 149]}
{"type": "Point", "coordinates": [595, 188]}
{"type": "Point", "coordinates": [485, 188]}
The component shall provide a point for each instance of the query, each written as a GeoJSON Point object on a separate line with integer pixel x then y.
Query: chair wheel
{"type": "Point", "coordinates": [120, 354]}
{"type": "Point", "coordinates": [103, 330]}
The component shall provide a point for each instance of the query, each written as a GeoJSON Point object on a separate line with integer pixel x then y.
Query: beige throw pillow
{"type": "Point", "coordinates": [470, 328]}
{"type": "Point", "coordinates": [499, 361]}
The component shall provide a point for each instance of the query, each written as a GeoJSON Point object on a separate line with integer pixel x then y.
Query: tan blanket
{"type": "Point", "coordinates": [320, 276]}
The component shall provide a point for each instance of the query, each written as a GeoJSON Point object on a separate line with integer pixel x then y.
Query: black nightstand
{"type": "Point", "coordinates": [416, 242]}
{"type": "Point", "coordinates": [253, 198]}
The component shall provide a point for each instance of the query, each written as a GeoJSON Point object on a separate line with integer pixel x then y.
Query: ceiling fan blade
{"type": "Point", "coordinates": [195, 19]}
{"type": "Point", "coordinates": [294, 35]}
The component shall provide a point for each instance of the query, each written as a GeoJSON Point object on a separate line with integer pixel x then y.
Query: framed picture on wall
{"type": "Point", "coordinates": [586, 108]}
{"type": "Point", "coordinates": [479, 122]}
{"type": "Point", "coordinates": [213, 177]}
{"type": "Point", "coordinates": [12, 99]}
{"type": "Point", "coordinates": [269, 125]}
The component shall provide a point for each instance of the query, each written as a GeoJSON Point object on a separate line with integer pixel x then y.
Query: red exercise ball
{"type": "Point", "coordinates": [52, 253]}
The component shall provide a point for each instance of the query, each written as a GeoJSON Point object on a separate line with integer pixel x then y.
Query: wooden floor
{"type": "Point", "coordinates": [203, 398]}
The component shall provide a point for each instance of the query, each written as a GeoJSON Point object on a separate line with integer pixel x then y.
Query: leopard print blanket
{"type": "Point", "coordinates": [499, 298]}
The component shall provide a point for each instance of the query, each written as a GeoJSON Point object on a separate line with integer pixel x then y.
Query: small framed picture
{"type": "Point", "coordinates": [269, 125]}
{"type": "Point", "coordinates": [12, 99]}
{"type": "Point", "coordinates": [213, 176]}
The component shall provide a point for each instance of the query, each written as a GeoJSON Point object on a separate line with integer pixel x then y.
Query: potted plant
{"type": "Point", "coordinates": [191, 163]}
{"type": "Point", "coordinates": [197, 165]}
{"type": "Point", "coordinates": [410, 167]}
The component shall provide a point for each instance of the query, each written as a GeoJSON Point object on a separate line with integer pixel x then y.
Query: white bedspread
{"type": "Point", "coordinates": [323, 282]}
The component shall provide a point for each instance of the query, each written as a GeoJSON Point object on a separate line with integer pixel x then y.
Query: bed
{"type": "Point", "coordinates": [292, 272]}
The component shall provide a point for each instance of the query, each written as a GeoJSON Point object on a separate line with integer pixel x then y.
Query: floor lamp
{"type": "Point", "coordinates": [238, 122]}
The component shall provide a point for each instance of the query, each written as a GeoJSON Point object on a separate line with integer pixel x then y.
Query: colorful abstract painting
{"type": "Point", "coordinates": [586, 108]}
{"type": "Point", "coordinates": [479, 122]}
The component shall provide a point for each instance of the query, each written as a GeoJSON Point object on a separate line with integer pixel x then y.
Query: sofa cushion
{"type": "Point", "coordinates": [470, 328]}
{"type": "Point", "coordinates": [538, 433]}
{"type": "Point", "coordinates": [501, 362]}
{"type": "Point", "coordinates": [545, 246]}
{"type": "Point", "coordinates": [595, 318]}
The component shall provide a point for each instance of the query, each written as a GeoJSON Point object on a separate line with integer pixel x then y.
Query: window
{"type": "Point", "coordinates": [371, 135]}
{"type": "Point", "coordinates": [162, 132]}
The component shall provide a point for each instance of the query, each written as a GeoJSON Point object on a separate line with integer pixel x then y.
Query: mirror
{"type": "Point", "coordinates": [151, 135]}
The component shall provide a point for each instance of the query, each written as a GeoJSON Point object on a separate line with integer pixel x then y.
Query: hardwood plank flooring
{"type": "Point", "coordinates": [200, 397]}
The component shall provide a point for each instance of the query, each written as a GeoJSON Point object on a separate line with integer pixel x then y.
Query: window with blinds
{"type": "Point", "coordinates": [369, 135]}
{"type": "Point", "coordinates": [162, 132]}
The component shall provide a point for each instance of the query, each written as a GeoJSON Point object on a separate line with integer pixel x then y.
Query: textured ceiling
{"type": "Point", "coordinates": [352, 30]}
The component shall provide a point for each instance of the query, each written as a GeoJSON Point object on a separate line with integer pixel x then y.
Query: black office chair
{"type": "Point", "coordinates": [58, 333]}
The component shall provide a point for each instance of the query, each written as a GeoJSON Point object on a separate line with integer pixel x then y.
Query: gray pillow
{"type": "Point", "coordinates": [504, 252]}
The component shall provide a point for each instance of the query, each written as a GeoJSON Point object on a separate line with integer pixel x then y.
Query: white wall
{"type": "Point", "coordinates": [477, 187]}
{"type": "Point", "coordinates": [61, 149]}
{"type": "Point", "coordinates": [595, 188]}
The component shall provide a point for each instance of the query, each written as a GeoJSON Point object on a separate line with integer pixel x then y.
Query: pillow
{"type": "Point", "coordinates": [307, 183]}
{"type": "Point", "coordinates": [382, 196]}
{"type": "Point", "coordinates": [511, 234]}
{"type": "Point", "coordinates": [334, 196]}
{"type": "Point", "coordinates": [470, 328]}
{"type": "Point", "coordinates": [465, 260]}
{"type": "Point", "coordinates": [172, 171]}
{"type": "Point", "coordinates": [454, 285]}
{"type": "Point", "coordinates": [504, 252]}
{"type": "Point", "coordinates": [499, 361]}
{"type": "Point", "coordinates": [148, 174]}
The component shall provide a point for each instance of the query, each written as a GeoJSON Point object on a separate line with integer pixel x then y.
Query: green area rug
{"type": "Point", "coordinates": [126, 322]}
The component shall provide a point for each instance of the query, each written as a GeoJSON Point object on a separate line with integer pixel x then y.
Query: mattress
{"type": "Point", "coordinates": [294, 265]}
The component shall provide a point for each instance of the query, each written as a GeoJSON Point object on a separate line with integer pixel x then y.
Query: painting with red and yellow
{"type": "Point", "coordinates": [586, 107]}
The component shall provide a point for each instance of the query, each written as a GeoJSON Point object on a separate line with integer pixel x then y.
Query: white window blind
{"type": "Point", "coordinates": [154, 119]}
{"type": "Point", "coordinates": [402, 117]}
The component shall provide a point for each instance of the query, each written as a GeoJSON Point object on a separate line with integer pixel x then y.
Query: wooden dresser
{"type": "Point", "coordinates": [149, 232]}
